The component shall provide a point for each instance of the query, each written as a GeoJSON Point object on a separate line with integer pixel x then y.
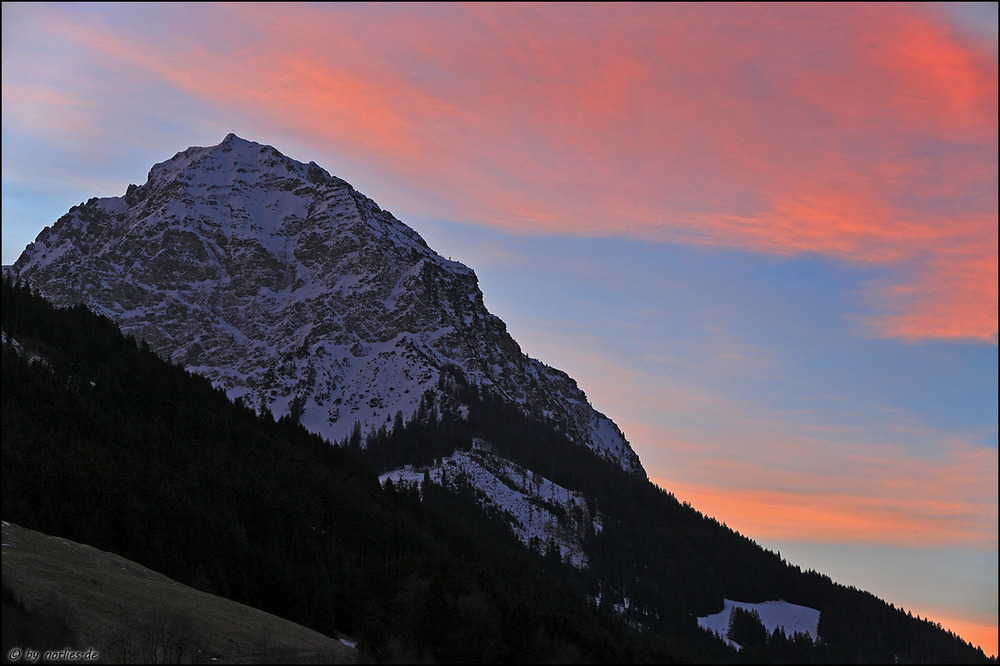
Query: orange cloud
{"type": "Point", "coordinates": [825, 487]}
{"type": "Point", "coordinates": [980, 634]}
{"type": "Point", "coordinates": [838, 517]}
{"type": "Point", "coordinates": [866, 133]}
{"type": "Point", "coordinates": [809, 474]}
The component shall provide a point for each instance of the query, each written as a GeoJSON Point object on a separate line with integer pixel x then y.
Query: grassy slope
{"type": "Point", "coordinates": [107, 598]}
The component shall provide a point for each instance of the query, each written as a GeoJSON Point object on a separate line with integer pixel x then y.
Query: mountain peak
{"type": "Point", "coordinates": [232, 155]}
{"type": "Point", "coordinates": [293, 291]}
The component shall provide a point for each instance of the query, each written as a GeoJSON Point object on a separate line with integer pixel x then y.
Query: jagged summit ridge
{"type": "Point", "coordinates": [293, 291]}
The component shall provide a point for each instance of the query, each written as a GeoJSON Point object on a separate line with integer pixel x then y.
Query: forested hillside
{"type": "Point", "coordinates": [106, 444]}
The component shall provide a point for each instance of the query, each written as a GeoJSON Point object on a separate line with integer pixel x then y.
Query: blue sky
{"type": "Point", "coordinates": [762, 238]}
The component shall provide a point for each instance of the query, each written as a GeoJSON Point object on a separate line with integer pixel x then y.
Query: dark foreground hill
{"type": "Point", "coordinates": [58, 594]}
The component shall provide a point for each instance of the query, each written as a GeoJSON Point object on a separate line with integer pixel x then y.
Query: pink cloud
{"type": "Point", "coordinates": [866, 133]}
{"type": "Point", "coordinates": [44, 110]}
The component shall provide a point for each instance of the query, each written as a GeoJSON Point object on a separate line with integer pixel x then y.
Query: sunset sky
{"type": "Point", "coordinates": [762, 238]}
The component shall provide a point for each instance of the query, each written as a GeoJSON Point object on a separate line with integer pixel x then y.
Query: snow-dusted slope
{"type": "Point", "coordinates": [31, 357]}
{"type": "Point", "coordinates": [541, 513]}
{"type": "Point", "coordinates": [290, 289]}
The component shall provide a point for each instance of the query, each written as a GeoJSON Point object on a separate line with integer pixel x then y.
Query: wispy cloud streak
{"type": "Point", "coordinates": [866, 133]}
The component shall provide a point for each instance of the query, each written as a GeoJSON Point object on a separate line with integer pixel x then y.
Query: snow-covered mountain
{"type": "Point", "coordinates": [293, 291]}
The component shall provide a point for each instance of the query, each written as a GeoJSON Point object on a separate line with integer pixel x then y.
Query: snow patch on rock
{"type": "Point", "coordinates": [542, 514]}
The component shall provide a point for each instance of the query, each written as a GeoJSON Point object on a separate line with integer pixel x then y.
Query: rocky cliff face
{"type": "Point", "coordinates": [292, 290]}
